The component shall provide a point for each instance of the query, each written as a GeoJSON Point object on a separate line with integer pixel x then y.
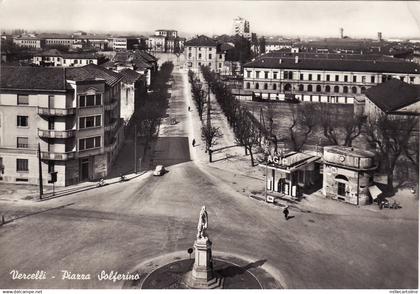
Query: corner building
{"type": "Point", "coordinates": [74, 116]}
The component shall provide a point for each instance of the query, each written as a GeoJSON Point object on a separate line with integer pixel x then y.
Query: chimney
{"type": "Point", "coordinates": [296, 59]}
{"type": "Point", "coordinates": [280, 61]}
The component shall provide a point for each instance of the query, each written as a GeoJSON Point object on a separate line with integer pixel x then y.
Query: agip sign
{"type": "Point", "coordinates": [277, 160]}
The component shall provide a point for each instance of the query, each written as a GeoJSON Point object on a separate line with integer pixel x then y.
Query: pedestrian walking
{"type": "Point", "coordinates": [193, 142]}
{"type": "Point", "coordinates": [286, 212]}
{"type": "Point", "coordinates": [189, 109]}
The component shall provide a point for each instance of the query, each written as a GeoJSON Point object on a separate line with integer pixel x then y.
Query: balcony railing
{"type": "Point", "coordinates": [56, 134]}
{"type": "Point", "coordinates": [113, 103]}
{"type": "Point", "coordinates": [58, 155]}
{"type": "Point", "coordinates": [56, 111]}
{"type": "Point", "coordinates": [112, 146]}
{"type": "Point", "coordinates": [112, 125]}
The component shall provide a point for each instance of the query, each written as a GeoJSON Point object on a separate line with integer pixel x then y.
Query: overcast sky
{"type": "Point", "coordinates": [290, 18]}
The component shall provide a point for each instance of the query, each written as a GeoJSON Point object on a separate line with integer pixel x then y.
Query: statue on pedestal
{"type": "Point", "coordinates": [203, 222]}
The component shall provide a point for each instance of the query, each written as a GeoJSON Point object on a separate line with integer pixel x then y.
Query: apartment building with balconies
{"type": "Point", "coordinates": [329, 78]}
{"type": "Point", "coordinates": [72, 114]}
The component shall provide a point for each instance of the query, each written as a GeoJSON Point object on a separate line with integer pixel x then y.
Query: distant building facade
{"type": "Point", "coordinates": [53, 57]}
{"type": "Point", "coordinates": [241, 27]}
{"type": "Point", "coordinates": [28, 42]}
{"type": "Point", "coordinates": [204, 51]}
{"type": "Point", "coordinates": [328, 78]}
{"type": "Point", "coordinates": [73, 113]}
{"type": "Point", "coordinates": [165, 41]}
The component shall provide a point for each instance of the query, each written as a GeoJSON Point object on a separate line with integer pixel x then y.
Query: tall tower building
{"type": "Point", "coordinates": [379, 36]}
{"type": "Point", "coordinates": [241, 27]}
{"type": "Point", "coordinates": [341, 33]}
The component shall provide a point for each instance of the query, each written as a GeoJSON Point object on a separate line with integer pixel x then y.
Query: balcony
{"type": "Point", "coordinates": [113, 103]}
{"type": "Point", "coordinates": [58, 155]}
{"type": "Point", "coordinates": [112, 146]}
{"type": "Point", "coordinates": [56, 134]}
{"type": "Point", "coordinates": [112, 125]}
{"type": "Point", "coordinates": [56, 111]}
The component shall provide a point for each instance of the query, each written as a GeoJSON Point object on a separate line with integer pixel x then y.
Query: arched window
{"type": "Point", "coordinates": [354, 90]}
{"type": "Point", "coordinates": [265, 86]}
{"type": "Point", "coordinates": [300, 87]}
{"type": "Point", "coordinates": [345, 89]}
{"type": "Point", "coordinates": [336, 89]}
{"type": "Point", "coordinates": [363, 90]}
{"type": "Point", "coordinates": [248, 85]}
{"type": "Point", "coordinates": [257, 86]}
{"type": "Point", "coordinates": [318, 88]}
{"type": "Point", "coordinates": [287, 87]}
{"type": "Point", "coordinates": [309, 88]}
{"type": "Point", "coordinates": [274, 86]}
{"type": "Point", "coordinates": [327, 88]}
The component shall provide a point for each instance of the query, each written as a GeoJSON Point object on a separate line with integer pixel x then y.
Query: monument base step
{"type": "Point", "coordinates": [215, 283]}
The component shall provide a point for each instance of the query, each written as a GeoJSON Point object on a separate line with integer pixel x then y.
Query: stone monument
{"type": "Point", "coordinates": [202, 275]}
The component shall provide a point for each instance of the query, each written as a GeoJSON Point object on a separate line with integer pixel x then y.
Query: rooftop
{"type": "Point", "coordinates": [334, 62]}
{"type": "Point", "coordinates": [393, 94]}
{"type": "Point", "coordinates": [129, 76]}
{"type": "Point", "coordinates": [32, 78]}
{"type": "Point", "coordinates": [351, 151]}
{"type": "Point", "coordinates": [55, 52]}
{"type": "Point", "coordinates": [93, 71]}
{"type": "Point", "coordinates": [201, 41]}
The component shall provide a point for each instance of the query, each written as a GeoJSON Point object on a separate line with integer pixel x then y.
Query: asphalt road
{"type": "Point", "coordinates": [119, 226]}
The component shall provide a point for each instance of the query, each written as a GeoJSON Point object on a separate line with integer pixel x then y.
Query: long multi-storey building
{"type": "Point", "coordinates": [28, 41]}
{"type": "Point", "coordinates": [241, 27]}
{"type": "Point", "coordinates": [165, 41]}
{"type": "Point", "coordinates": [72, 113]}
{"type": "Point", "coordinates": [205, 51]}
{"type": "Point", "coordinates": [53, 57]}
{"type": "Point", "coordinates": [330, 78]}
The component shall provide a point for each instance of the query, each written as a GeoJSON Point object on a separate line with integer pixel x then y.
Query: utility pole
{"type": "Point", "coordinates": [41, 190]}
{"type": "Point", "coordinates": [135, 148]}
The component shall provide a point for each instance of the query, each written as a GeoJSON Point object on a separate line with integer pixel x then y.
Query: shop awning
{"type": "Point", "coordinates": [374, 191]}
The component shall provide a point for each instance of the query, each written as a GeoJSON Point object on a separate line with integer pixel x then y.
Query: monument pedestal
{"type": "Point", "coordinates": [202, 275]}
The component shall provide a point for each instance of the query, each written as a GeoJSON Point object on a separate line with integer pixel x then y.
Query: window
{"type": "Point", "coordinates": [248, 85]}
{"type": "Point", "coordinates": [301, 77]}
{"type": "Point", "coordinates": [199, 48]}
{"type": "Point", "coordinates": [189, 55]}
{"type": "Point", "coordinates": [345, 89]}
{"type": "Point", "coordinates": [354, 79]}
{"type": "Point", "coordinates": [411, 79]}
{"type": "Point", "coordinates": [51, 166]}
{"type": "Point", "coordinates": [189, 48]}
{"type": "Point", "coordinates": [372, 79]}
{"type": "Point", "coordinates": [300, 87]}
{"type": "Point", "coordinates": [89, 122]}
{"type": "Point", "coordinates": [336, 89]}
{"type": "Point", "coordinates": [22, 165]}
{"type": "Point", "coordinates": [266, 75]}
{"type": "Point", "coordinates": [274, 75]}
{"type": "Point", "coordinates": [363, 79]}
{"type": "Point", "coordinates": [327, 88]}
{"type": "Point", "coordinates": [22, 142]}
{"type": "Point", "coordinates": [346, 78]}
{"type": "Point", "coordinates": [220, 65]}
{"type": "Point", "coordinates": [248, 73]}
{"type": "Point", "coordinates": [318, 88]}
{"type": "Point", "coordinates": [328, 77]}
{"type": "Point", "coordinates": [362, 90]}
{"type": "Point", "coordinates": [220, 56]}
{"type": "Point", "coordinates": [75, 61]}
{"type": "Point", "coordinates": [210, 49]}
{"type": "Point", "coordinates": [290, 75]}
{"type": "Point", "coordinates": [265, 86]}
{"type": "Point", "coordinates": [22, 121]}
{"type": "Point", "coordinates": [257, 74]}
{"type": "Point", "coordinates": [22, 99]}
{"type": "Point", "coordinates": [257, 86]}
{"type": "Point", "coordinates": [89, 143]}
{"type": "Point", "coordinates": [318, 77]}
{"type": "Point", "coordinates": [309, 88]}
{"type": "Point", "coordinates": [285, 75]}
{"type": "Point", "coordinates": [354, 90]}
{"type": "Point", "coordinates": [199, 55]}
{"type": "Point", "coordinates": [402, 78]}
{"type": "Point", "coordinates": [337, 78]}
{"type": "Point", "coordinates": [89, 100]}
{"type": "Point", "coordinates": [274, 86]}
{"type": "Point", "coordinates": [310, 77]}
{"type": "Point", "coordinates": [210, 56]}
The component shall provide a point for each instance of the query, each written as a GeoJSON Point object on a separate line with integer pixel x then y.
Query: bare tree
{"type": "Point", "coordinates": [338, 130]}
{"type": "Point", "coordinates": [303, 123]}
{"type": "Point", "coordinates": [412, 152]}
{"type": "Point", "coordinates": [210, 135]}
{"type": "Point", "coordinates": [390, 135]}
{"type": "Point", "coordinates": [246, 133]}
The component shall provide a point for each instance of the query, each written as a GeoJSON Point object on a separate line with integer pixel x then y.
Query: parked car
{"type": "Point", "coordinates": [159, 170]}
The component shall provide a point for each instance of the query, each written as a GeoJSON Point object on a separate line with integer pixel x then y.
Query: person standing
{"type": "Point", "coordinates": [193, 142]}
{"type": "Point", "coordinates": [286, 212]}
